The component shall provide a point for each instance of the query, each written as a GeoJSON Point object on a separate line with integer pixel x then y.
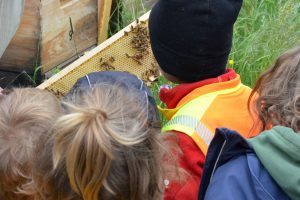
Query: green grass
{"type": "Point", "coordinates": [264, 30]}
{"type": "Point", "coordinates": [124, 12]}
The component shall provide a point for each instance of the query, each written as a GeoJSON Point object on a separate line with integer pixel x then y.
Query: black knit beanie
{"type": "Point", "coordinates": [191, 39]}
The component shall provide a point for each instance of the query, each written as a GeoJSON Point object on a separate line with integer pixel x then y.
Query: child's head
{"type": "Point", "coordinates": [26, 115]}
{"type": "Point", "coordinates": [103, 148]}
{"type": "Point", "coordinates": [278, 92]}
{"type": "Point", "coordinates": [191, 40]}
{"type": "Point", "coordinates": [124, 80]}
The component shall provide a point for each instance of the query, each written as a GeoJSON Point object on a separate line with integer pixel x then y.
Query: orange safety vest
{"type": "Point", "coordinates": [206, 108]}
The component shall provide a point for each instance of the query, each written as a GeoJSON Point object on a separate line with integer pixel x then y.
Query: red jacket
{"type": "Point", "coordinates": [193, 158]}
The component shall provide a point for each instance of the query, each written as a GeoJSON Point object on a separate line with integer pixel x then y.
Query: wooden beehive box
{"type": "Point", "coordinates": [21, 52]}
{"type": "Point", "coordinates": [117, 53]}
{"type": "Point", "coordinates": [53, 32]}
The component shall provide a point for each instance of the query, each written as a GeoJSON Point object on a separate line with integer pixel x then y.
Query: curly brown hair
{"type": "Point", "coordinates": [278, 93]}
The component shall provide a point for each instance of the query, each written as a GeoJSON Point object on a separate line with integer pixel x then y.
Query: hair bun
{"type": "Point", "coordinates": [95, 113]}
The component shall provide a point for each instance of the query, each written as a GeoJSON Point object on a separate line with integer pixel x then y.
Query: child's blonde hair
{"type": "Point", "coordinates": [104, 149]}
{"type": "Point", "coordinates": [278, 92]}
{"type": "Point", "coordinates": [26, 115]}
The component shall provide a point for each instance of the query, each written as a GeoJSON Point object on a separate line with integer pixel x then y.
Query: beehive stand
{"type": "Point", "coordinates": [113, 54]}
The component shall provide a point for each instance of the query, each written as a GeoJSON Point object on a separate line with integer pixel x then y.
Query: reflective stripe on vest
{"type": "Point", "coordinates": [188, 118]}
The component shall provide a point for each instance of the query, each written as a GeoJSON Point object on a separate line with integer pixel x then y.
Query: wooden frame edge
{"type": "Point", "coordinates": [104, 10]}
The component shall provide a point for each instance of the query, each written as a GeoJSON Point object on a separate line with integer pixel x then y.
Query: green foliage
{"type": "Point", "coordinates": [37, 66]}
{"type": "Point", "coordinates": [264, 30]}
{"type": "Point", "coordinates": [123, 13]}
{"type": "Point", "coordinates": [35, 73]}
{"type": "Point", "coordinates": [55, 71]}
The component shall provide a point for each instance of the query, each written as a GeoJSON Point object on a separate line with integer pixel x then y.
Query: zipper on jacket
{"type": "Point", "coordinates": [215, 166]}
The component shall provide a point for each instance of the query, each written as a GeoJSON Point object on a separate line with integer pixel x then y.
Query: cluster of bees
{"type": "Point", "coordinates": [107, 65]}
{"type": "Point", "coordinates": [151, 75]}
{"type": "Point", "coordinates": [139, 42]}
{"type": "Point", "coordinates": [57, 93]}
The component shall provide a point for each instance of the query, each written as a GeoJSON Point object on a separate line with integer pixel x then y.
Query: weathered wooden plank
{"type": "Point", "coordinates": [22, 50]}
{"type": "Point", "coordinates": [10, 17]}
{"type": "Point", "coordinates": [56, 46]}
{"type": "Point", "coordinates": [45, 27]}
{"type": "Point", "coordinates": [104, 9]}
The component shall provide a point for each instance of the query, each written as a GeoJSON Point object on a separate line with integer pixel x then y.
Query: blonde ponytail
{"type": "Point", "coordinates": [90, 147]}
{"type": "Point", "coordinates": [106, 147]}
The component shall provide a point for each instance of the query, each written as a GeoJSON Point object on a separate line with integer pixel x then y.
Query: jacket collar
{"type": "Point", "coordinates": [171, 97]}
{"type": "Point", "coordinates": [225, 145]}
